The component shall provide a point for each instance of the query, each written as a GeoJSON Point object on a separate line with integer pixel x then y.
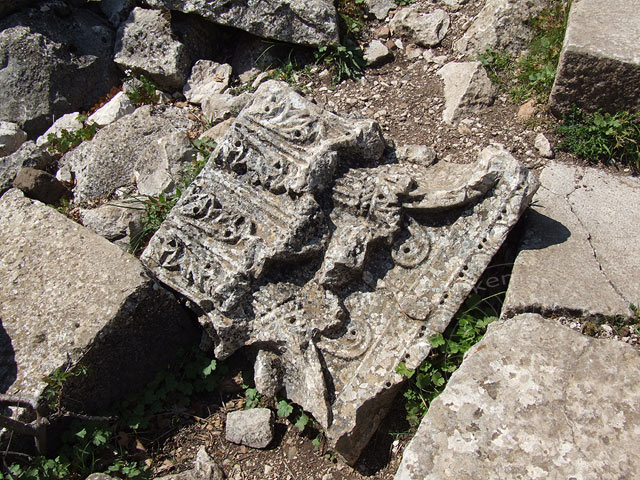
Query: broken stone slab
{"type": "Point", "coordinates": [28, 155]}
{"type": "Point", "coordinates": [69, 299]}
{"type": "Point", "coordinates": [56, 59]}
{"type": "Point", "coordinates": [578, 254]}
{"type": "Point", "coordinates": [501, 25]}
{"type": "Point", "coordinates": [116, 108]}
{"type": "Point", "coordinates": [467, 89]}
{"type": "Point", "coordinates": [300, 239]}
{"type": "Point", "coordinates": [112, 157]}
{"type": "Point", "coordinates": [424, 29]}
{"type": "Point", "coordinates": [533, 399]}
{"type": "Point", "coordinates": [307, 22]}
{"type": "Point", "coordinates": [120, 222]}
{"type": "Point", "coordinates": [11, 137]}
{"type": "Point", "coordinates": [222, 106]}
{"type": "Point", "coordinates": [599, 67]}
{"type": "Point", "coordinates": [253, 427]}
{"type": "Point", "coordinates": [207, 77]}
{"type": "Point", "coordinates": [40, 185]}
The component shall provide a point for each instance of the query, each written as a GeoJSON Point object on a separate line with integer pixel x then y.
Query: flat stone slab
{"type": "Point", "coordinates": [70, 297]}
{"type": "Point", "coordinates": [600, 60]}
{"type": "Point", "coordinates": [533, 399]}
{"type": "Point", "coordinates": [579, 253]}
{"type": "Point", "coordinates": [298, 237]}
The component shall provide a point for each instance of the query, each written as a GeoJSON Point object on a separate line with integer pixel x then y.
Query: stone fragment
{"type": "Point", "coordinates": [376, 53]}
{"type": "Point", "coordinates": [467, 89]}
{"type": "Point", "coordinates": [71, 299]}
{"type": "Point", "coordinates": [417, 154]}
{"type": "Point", "coordinates": [543, 146]}
{"type": "Point", "coordinates": [109, 161]}
{"type": "Point", "coordinates": [413, 51]}
{"type": "Point", "coordinates": [163, 163]}
{"type": "Point", "coordinates": [11, 137]}
{"type": "Point", "coordinates": [120, 222]}
{"type": "Point", "coordinates": [28, 155]}
{"type": "Point", "coordinates": [527, 110]}
{"type": "Point", "coordinates": [308, 22]}
{"type": "Point", "coordinates": [54, 62]}
{"type": "Point", "coordinates": [533, 399]}
{"type": "Point", "coordinates": [299, 238]}
{"type": "Point", "coordinates": [599, 67]}
{"type": "Point", "coordinates": [501, 25]}
{"type": "Point", "coordinates": [40, 185]}
{"type": "Point", "coordinates": [380, 8]}
{"type": "Point", "coordinates": [382, 31]}
{"type": "Point", "coordinates": [578, 254]}
{"type": "Point", "coordinates": [206, 78]}
{"type": "Point", "coordinates": [217, 131]}
{"type": "Point", "coordinates": [268, 373]}
{"type": "Point", "coordinates": [253, 427]}
{"type": "Point", "coordinates": [223, 106]}
{"type": "Point", "coordinates": [116, 108]}
{"type": "Point", "coordinates": [425, 29]}
{"type": "Point", "coordinates": [205, 468]}
{"type": "Point", "coordinates": [68, 122]}
{"type": "Point", "coordinates": [116, 11]}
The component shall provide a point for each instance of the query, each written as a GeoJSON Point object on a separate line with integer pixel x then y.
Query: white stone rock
{"type": "Point", "coordinates": [425, 29]}
{"type": "Point", "coordinates": [467, 88]}
{"type": "Point", "coordinates": [207, 77]}
{"type": "Point", "coordinates": [11, 137]}
{"type": "Point", "coordinates": [253, 427]}
{"type": "Point", "coordinates": [376, 53]}
{"type": "Point", "coordinates": [116, 108]}
{"type": "Point", "coordinates": [543, 146]}
{"type": "Point", "coordinates": [67, 122]}
{"type": "Point", "coordinates": [380, 8]}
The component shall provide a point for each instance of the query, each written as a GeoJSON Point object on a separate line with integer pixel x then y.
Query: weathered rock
{"type": "Point", "coordinates": [28, 155]}
{"type": "Point", "coordinates": [533, 399]}
{"type": "Point", "coordinates": [115, 153]}
{"type": "Point", "coordinates": [206, 78]}
{"type": "Point", "coordinates": [253, 427]}
{"type": "Point", "coordinates": [467, 89]}
{"type": "Point", "coordinates": [325, 288]}
{"type": "Point", "coordinates": [120, 223]}
{"type": "Point", "coordinates": [11, 137]}
{"type": "Point", "coordinates": [380, 8]}
{"type": "Point", "coordinates": [253, 55]}
{"type": "Point", "coordinates": [418, 154]}
{"type": "Point", "coordinates": [309, 22]}
{"type": "Point", "coordinates": [205, 469]}
{"type": "Point", "coordinates": [217, 131]}
{"type": "Point", "coordinates": [268, 373]}
{"type": "Point", "coordinates": [501, 25]}
{"type": "Point", "coordinates": [163, 163]}
{"type": "Point", "coordinates": [116, 11]}
{"type": "Point", "coordinates": [579, 252]}
{"type": "Point", "coordinates": [54, 62]}
{"type": "Point", "coordinates": [40, 185]}
{"type": "Point", "coordinates": [599, 67]}
{"type": "Point", "coordinates": [425, 29]}
{"type": "Point", "coordinates": [543, 146]}
{"type": "Point", "coordinates": [527, 110]}
{"type": "Point", "coordinates": [376, 53]}
{"type": "Point", "coordinates": [68, 122]}
{"type": "Point", "coordinates": [116, 108]}
{"type": "Point", "coordinates": [70, 294]}
{"type": "Point", "coordinates": [223, 106]}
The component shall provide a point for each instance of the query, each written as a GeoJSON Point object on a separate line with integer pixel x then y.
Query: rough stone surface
{"type": "Point", "coordinates": [109, 160]}
{"type": "Point", "coordinates": [116, 108]}
{"type": "Point", "coordinates": [11, 137]}
{"type": "Point", "coordinates": [206, 78]}
{"type": "Point", "coordinates": [377, 53]}
{"type": "Point", "coordinates": [28, 155]}
{"type": "Point", "coordinates": [254, 243]}
{"type": "Point", "coordinates": [418, 154]}
{"type": "Point", "coordinates": [533, 399]}
{"type": "Point", "coordinates": [309, 22]}
{"type": "Point", "coordinates": [500, 25]}
{"type": "Point", "coordinates": [467, 89]}
{"type": "Point", "coordinates": [599, 67]}
{"type": "Point", "coordinates": [55, 60]}
{"type": "Point", "coordinates": [68, 293]}
{"type": "Point", "coordinates": [40, 185]}
{"type": "Point", "coordinates": [120, 223]}
{"type": "Point", "coordinates": [268, 373]}
{"type": "Point", "coordinates": [205, 468]}
{"type": "Point", "coordinates": [424, 29]}
{"type": "Point", "coordinates": [116, 11]}
{"type": "Point", "coordinates": [380, 8]}
{"type": "Point", "coordinates": [68, 122]}
{"type": "Point", "coordinates": [543, 146]}
{"type": "Point", "coordinates": [579, 253]}
{"type": "Point", "coordinates": [253, 427]}
{"type": "Point", "coordinates": [217, 131]}
{"type": "Point", "coordinates": [222, 106]}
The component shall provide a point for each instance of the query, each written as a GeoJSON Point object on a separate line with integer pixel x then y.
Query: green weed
{"type": "Point", "coordinates": [403, 2]}
{"type": "Point", "coordinates": [67, 140]}
{"type": "Point", "coordinates": [351, 17]}
{"type": "Point", "coordinates": [497, 64]}
{"type": "Point", "coordinates": [343, 60]}
{"type": "Point", "coordinates": [55, 382]}
{"type": "Point", "coordinates": [602, 137]}
{"type": "Point", "coordinates": [143, 92]}
{"type": "Point", "coordinates": [427, 381]}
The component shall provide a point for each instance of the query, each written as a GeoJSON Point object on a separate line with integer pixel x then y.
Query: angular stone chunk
{"type": "Point", "coordinates": [28, 155]}
{"type": "Point", "coordinates": [533, 399]}
{"type": "Point", "coordinates": [253, 427]}
{"type": "Point", "coordinates": [579, 253]}
{"type": "Point", "coordinates": [116, 108]}
{"type": "Point", "coordinates": [309, 22]}
{"type": "Point", "coordinates": [425, 29]}
{"type": "Point", "coordinates": [66, 294]}
{"type": "Point", "coordinates": [600, 63]}
{"type": "Point", "coordinates": [11, 137]}
{"type": "Point", "coordinates": [207, 78]}
{"type": "Point", "coordinates": [467, 89]}
{"type": "Point", "coordinates": [299, 238]}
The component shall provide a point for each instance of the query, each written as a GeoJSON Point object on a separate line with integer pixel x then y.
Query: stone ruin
{"type": "Point", "coordinates": [308, 240]}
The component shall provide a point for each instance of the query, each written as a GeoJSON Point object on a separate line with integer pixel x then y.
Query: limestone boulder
{"type": "Point", "coordinates": [28, 155]}
{"type": "Point", "coordinates": [307, 22]}
{"type": "Point", "coordinates": [11, 137]}
{"type": "Point", "coordinates": [253, 427]}
{"type": "Point", "coordinates": [424, 29]}
{"type": "Point", "coordinates": [467, 89]}
{"type": "Point", "coordinates": [299, 238]}
{"type": "Point", "coordinates": [533, 399]}
{"type": "Point", "coordinates": [110, 160]}
{"type": "Point", "coordinates": [500, 25]}
{"type": "Point", "coordinates": [207, 77]}
{"type": "Point", "coordinates": [56, 59]}
{"type": "Point", "coordinates": [71, 299]}
{"type": "Point", "coordinates": [599, 67]}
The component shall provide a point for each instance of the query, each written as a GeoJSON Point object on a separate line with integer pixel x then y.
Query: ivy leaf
{"type": "Point", "coordinates": [402, 369]}
{"type": "Point", "coordinates": [302, 422]}
{"type": "Point", "coordinates": [436, 340]}
{"type": "Point", "coordinates": [284, 409]}
{"type": "Point", "coordinates": [210, 368]}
